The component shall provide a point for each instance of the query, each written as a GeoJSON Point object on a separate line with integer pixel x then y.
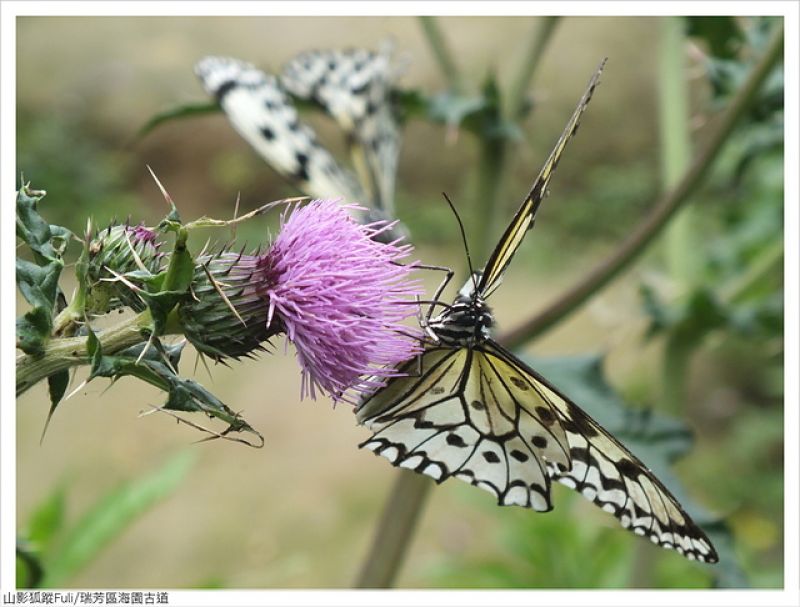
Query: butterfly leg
{"type": "Point", "coordinates": [438, 292]}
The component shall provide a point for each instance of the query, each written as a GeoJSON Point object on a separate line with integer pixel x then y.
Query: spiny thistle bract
{"type": "Point", "coordinates": [223, 283]}
{"type": "Point", "coordinates": [340, 296]}
{"type": "Point", "coordinates": [118, 250]}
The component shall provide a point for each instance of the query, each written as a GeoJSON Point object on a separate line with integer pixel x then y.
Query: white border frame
{"type": "Point", "coordinates": [790, 595]}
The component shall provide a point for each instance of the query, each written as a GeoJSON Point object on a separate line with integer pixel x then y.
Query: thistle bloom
{"type": "Point", "coordinates": [338, 294]}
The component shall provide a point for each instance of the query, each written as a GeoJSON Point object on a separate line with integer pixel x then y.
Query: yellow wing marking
{"type": "Point", "coordinates": [523, 220]}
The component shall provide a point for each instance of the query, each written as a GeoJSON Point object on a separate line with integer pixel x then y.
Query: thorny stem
{"type": "Point", "coordinates": [68, 352]}
{"type": "Point", "coordinates": [402, 510]}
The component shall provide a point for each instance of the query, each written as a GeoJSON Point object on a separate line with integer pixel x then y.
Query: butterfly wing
{"type": "Point", "coordinates": [259, 110]}
{"type": "Point", "coordinates": [463, 417]}
{"type": "Point", "coordinates": [354, 87]}
{"type": "Point", "coordinates": [526, 214]}
{"type": "Point", "coordinates": [611, 477]}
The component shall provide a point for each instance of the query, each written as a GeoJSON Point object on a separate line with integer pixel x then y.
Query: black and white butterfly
{"type": "Point", "coordinates": [468, 408]}
{"type": "Point", "coordinates": [352, 86]}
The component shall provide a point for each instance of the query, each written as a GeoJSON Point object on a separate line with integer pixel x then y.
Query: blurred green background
{"type": "Point", "coordinates": [106, 499]}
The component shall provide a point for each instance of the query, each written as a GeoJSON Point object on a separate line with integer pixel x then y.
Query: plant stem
{"type": "Point", "coordinates": [602, 274]}
{"type": "Point", "coordinates": [681, 254]}
{"type": "Point", "coordinates": [441, 53]}
{"type": "Point", "coordinates": [68, 352]}
{"type": "Point", "coordinates": [491, 168]}
{"type": "Point", "coordinates": [676, 148]}
{"type": "Point", "coordinates": [397, 523]}
{"type": "Point", "coordinates": [545, 26]}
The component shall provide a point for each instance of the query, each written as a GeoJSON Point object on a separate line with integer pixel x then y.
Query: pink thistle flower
{"type": "Point", "coordinates": [341, 297]}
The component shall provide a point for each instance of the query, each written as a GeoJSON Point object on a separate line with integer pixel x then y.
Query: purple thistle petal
{"type": "Point", "coordinates": [341, 297]}
{"type": "Point", "coordinates": [142, 234]}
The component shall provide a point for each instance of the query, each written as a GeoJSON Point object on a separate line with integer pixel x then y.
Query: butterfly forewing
{"type": "Point", "coordinates": [354, 87]}
{"type": "Point", "coordinates": [259, 110]}
{"type": "Point", "coordinates": [523, 220]}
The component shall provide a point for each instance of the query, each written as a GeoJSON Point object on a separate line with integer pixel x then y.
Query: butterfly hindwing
{"type": "Point", "coordinates": [523, 220]}
{"type": "Point", "coordinates": [461, 417]}
{"type": "Point", "coordinates": [259, 110]}
{"type": "Point", "coordinates": [610, 476]}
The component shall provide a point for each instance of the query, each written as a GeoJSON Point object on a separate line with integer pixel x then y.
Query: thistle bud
{"type": "Point", "coordinates": [225, 314]}
{"type": "Point", "coordinates": [117, 251]}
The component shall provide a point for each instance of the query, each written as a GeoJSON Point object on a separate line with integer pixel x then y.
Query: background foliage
{"type": "Point", "coordinates": [699, 341]}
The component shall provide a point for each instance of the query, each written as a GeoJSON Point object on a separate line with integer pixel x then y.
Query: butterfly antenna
{"type": "Point", "coordinates": [463, 239]}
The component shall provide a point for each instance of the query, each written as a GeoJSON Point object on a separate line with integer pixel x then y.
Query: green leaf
{"type": "Point", "coordinates": [47, 521]}
{"type": "Point", "coordinates": [57, 385]}
{"type": "Point", "coordinates": [38, 282]}
{"type": "Point", "coordinates": [410, 103]}
{"type": "Point", "coordinates": [166, 289]}
{"type": "Point", "coordinates": [157, 367]}
{"type": "Point", "coordinates": [29, 571]}
{"type": "Point", "coordinates": [110, 517]}
{"type": "Point", "coordinates": [31, 228]}
{"type": "Point", "coordinates": [452, 108]}
{"type": "Point", "coordinates": [33, 330]}
{"type": "Point", "coordinates": [188, 110]}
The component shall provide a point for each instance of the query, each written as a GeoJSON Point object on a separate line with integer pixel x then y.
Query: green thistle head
{"type": "Point", "coordinates": [118, 256]}
{"type": "Point", "coordinates": [222, 283]}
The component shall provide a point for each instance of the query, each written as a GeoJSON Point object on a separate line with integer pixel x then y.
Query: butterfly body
{"type": "Point", "coordinates": [467, 408]}
{"type": "Point", "coordinates": [464, 323]}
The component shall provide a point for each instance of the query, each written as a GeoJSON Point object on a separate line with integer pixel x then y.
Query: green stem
{"type": "Point", "coordinates": [544, 28]}
{"type": "Point", "coordinates": [491, 168]}
{"type": "Point", "coordinates": [676, 148]}
{"type": "Point", "coordinates": [68, 352]}
{"type": "Point", "coordinates": [602, 274]}
{"type": "Point", "coordinates": [441, 53]}
{"type": "Point", "coordinates": [397, 522]}
{"type": "Point", "coordinates": [678, 350]}
{"type": "Point", "coordinates": [676, 151]}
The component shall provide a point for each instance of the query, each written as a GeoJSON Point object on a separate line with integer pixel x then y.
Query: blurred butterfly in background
{"type": "Point", "coordinates": [352, 86]}
{"type": "Point", "coordinates": [470, 409]}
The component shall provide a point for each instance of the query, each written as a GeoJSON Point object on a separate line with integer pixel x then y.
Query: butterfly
{"type": "Point", "coordinates": [352, 86]}
{"type": "Point", "coordinates": [467, 408]}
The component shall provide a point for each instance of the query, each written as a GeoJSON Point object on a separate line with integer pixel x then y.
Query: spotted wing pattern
{"type": "Point", "coordinates": [354, 87]}
{"type": "Point", "coordinates": [463, 418]}
{"type": "Point", "coordinates": [483, 416]}
{"type": "Point", "coordinates": [523, 221]}
{"type": "Point", "coordinates": [259, 110]}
